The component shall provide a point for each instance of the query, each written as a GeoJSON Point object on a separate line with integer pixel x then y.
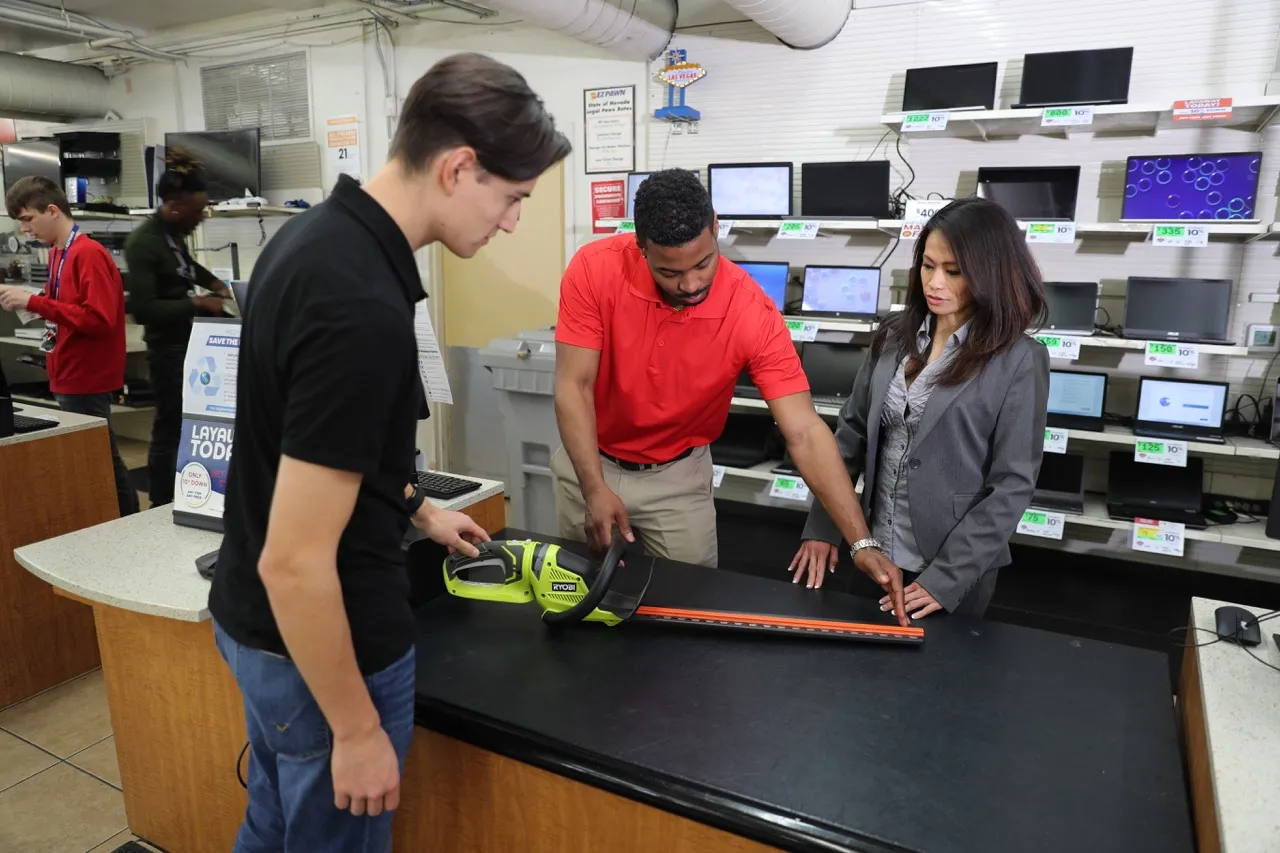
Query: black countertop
{"type": "Point", "coordinates": [989, 737]}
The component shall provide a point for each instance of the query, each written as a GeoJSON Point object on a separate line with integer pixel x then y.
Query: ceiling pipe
{"type": "Point", "coordinates": [802, 25]}
{"type": "Point", "coordinates": [24, 17]}
{"type": "Point", "coordinates": [638, 29]}
{"type": "Point", "coordinates": [50, 90]}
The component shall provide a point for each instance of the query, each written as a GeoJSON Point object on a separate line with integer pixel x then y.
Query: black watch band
{"type": "Point", "coordinates": [416, 500]}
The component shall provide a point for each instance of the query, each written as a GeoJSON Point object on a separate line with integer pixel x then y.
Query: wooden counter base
{"type": "Point", "coordinates": [458, 798]}
{"type": "Point", "coordinates": [1195, 736]}
{"type": "Point", "coordinates": [49, 486]}
{"type": "Point", "coordinates": [179, 722]}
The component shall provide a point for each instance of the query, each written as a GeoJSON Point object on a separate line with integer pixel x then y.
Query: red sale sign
{"type": "Point", "coordinates": [608, 201]}
{"type": "Point", "coordinates": [1202, 109]}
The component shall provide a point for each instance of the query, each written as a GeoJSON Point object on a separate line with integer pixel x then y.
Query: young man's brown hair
{"type": "Point", "coordinates": [470, 99]}
{"type": "Point", "coordinates": [35, 192]}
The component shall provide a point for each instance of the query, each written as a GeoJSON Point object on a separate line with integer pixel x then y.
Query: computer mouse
{"type": "Point", "coordinates": [1221, 515]}
{"type": "Point", "coordinates": [1237, 625]}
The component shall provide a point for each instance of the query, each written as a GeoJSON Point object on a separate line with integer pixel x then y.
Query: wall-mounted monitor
{"type": "Point", "coordinates": [750, 190]}
{"type": "Point", "coordinates": [232, 160]}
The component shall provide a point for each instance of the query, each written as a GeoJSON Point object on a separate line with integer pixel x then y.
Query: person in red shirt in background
{"type": "Point", "coordinates": [83, 309]}
{"type": "Point", "coordinates": [653, 331]}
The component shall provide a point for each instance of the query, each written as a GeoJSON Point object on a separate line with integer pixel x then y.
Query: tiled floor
{"type": "Point", "coordinates": [59, 783]}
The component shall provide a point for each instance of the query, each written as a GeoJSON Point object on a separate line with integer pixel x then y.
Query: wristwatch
{"type": "Point", "coordinates": [869, 542]}
{"type": "Point", "coordinates": [416, 500]}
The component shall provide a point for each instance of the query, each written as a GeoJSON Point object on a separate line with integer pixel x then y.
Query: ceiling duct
{"type": "Point", "coordinates": [42, 90]}
{"type": "Point", "coordinates": [637, 29]}
{"type": "Point", "coordinates": [804, 25]}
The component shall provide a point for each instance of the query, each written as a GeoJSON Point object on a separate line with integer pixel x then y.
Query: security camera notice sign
{"type": "Point", "coordinates": [204, 457]}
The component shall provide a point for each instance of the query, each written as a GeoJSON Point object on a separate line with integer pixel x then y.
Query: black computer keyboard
{"type": "Point", "coordinates": [828, 400]}
{"type": "Point", "coordinates": [26, 423]}
{"type": "Point", "coordinates": [444, 487]}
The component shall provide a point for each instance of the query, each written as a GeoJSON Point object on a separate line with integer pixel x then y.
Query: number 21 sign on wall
{"type": "Point", "coordinates": [342, 146]}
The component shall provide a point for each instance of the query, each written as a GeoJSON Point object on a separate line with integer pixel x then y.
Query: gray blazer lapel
{"type": "Point", "coordinates": [886, 366]}
{"type": "Point", "coordinates": [940, 399]}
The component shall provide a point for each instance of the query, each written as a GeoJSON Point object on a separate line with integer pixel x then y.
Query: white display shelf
{"type": "Point", "coordinates": [1121, 437]}
{"type": "Point", "coordinates": [1095, 515]}
{"type": "Point", "coordinates": [1250, 535]}
{"type": "Point", "coordinates": [235, 211]}
{"type": "Point", "coordinates": [752, 403]}
{"type": "Point", "coordinates": [1108, 342]}
{"type": "Point", "coordinates": [829, 325]}
{"type": "Point", "coordinates": [831, 226]}
{"type": "Point", "coordinates": [1252, 113]}
{"type": "Point", "coordinates": [130, 346]}
{"type": "Point", "coordinates": [1142, 230]}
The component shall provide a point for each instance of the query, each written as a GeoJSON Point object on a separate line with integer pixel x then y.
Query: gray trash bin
{"type": "Point", "coordinates": [523, 370]}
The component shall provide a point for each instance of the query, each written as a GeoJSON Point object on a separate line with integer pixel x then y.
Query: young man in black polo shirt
{"type": "Point", "coordinates": [310, 594]}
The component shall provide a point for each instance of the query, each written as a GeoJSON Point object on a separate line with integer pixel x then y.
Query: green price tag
{"type": "Point", "coordinates": [1151, 447]}
{"type": "Point", "coordinates": [784, 483]}
{"type": "Point", "coordinates": [1042, 228]}
{"type": "Point", "coordinates": [1050, 342]}
{"type": "Point", "coordinates": [626, 226]}
{"type": "Point", "coordinates": [1171, 230]}
{"type": "Point", "coordinates": [795, 325]}
{"type": "Point", "coordinates": [918, 118]}
{"type": "Point", "coordinates": [1058, 113]}
{"type": "Point", "coordinates": [1034, 517]}
{"type": "Point", "coordinates": [1162, 349]}
{"type": "Point", "coordinates": [789, 227]}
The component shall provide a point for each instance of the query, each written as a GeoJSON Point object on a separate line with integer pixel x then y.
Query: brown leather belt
{"type": "Point", "coordinates": [642, 466]}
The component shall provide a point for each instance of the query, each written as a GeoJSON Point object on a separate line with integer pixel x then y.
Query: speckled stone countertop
{"type": "Point", "coordinates": [67, 422]}
{"type": "Point", "coordinates": [1242, 718]}
{"type": "Point", "coordinates": [146, 563]}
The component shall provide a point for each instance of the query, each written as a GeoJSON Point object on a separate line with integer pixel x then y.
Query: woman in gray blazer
{"type": "Point", "coordinates": [947, 415]}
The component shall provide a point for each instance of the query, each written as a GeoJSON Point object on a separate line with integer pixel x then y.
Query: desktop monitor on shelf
{"type": "Point", "coordinates": [1191, 188]}
{"type": "Point", "coordinates": [831, 369]}
{"type": "Point", "coordinates": [850, 293]}
{"type": "Point", "coordinates": [634, 180]}
{"type": "Point", "coordinates": [1181, 409]}
{"type": "Point", "coordinates": [232, 160]}
{"type": "Point", "coordinates": [1187, 310]}
{"type": "Point", "coordinates": [772, 278]}
{"type": "Point", "coordinates": [1072, 307]}
{"type": "Point", "coordinates": [1034, 193]}
{"type": "Point", "coordinates": [1076, 77]}
{"type": "Point", "coordinates": [857, 189]}
{"type": "Point", "coordinates": [750, 190]}
{"type": "Point", "coordinates": [1076, 400]}
{"type": "Point", "coordinates": [950, 87]}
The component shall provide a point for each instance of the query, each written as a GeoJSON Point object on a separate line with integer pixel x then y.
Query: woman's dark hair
{"type": "Point", "coordinates": [1004, 284]}
{"type": "Point", "coordinates": [671, 208]}
{"type": "Point", "coordinates": [470, 99]}
{"type": "Point", "coordinates": [183, 175]}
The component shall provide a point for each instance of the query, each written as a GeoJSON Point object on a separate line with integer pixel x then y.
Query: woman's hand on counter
{"type": "Point", "coordinates": [455, 530]}
{"type": "Point", "coordinates": [366, 773]}
{"type": "Point", "coordinates": [918, 600]}
{"type": "Point", "coordinates": [814, 559]}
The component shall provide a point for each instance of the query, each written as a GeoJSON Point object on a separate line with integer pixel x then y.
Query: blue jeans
{"type": "Point", "coordinates": [291, 806]}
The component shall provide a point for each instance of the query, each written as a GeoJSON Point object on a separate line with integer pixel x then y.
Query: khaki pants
{"type": "Point", "coordinates": [672, 510]}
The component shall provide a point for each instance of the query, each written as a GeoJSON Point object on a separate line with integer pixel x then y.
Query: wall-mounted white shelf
{"type": "Point", "coordinates": [1253, 113]}
{"type": "Point", "coordinates": [130, 346]}
{"type": "Point", "coordinates": [1108, 342]}
{"type": "Point", "coordinates": [1251, 448]}
{"type": "Point", "coordinates": [1141, 231]}
{"type": "Point", "coordinates": [886, 227]}
{"type": "Point", "coordinates": [227, 211]}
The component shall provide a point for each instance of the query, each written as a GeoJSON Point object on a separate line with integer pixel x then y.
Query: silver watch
{"type": "Point", "coordinates": [864, 543]}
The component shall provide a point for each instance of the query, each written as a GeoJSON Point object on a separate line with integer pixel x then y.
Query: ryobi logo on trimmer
{"type": "Point", "coordinates": [564, 586]}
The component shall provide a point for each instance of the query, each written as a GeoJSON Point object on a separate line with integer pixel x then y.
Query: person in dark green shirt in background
{"type": "Point", "coordinates": [162, 281]}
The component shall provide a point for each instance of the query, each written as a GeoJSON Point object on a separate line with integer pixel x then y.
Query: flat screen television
{"type": "Point", "coordinates": [1191, 187]}
{"type": "Point", "coordinates": [29, 157]}
{"type": "Point", "coordinates": [232, 160]}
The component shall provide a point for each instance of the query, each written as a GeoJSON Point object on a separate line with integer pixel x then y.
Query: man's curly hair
{"type": "Point", "coordinates": [672, 208]}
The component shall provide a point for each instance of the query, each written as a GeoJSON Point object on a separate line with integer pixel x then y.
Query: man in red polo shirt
{"type": "Point", "coordinates": [652, 334]}
{"type": "Point", "coordinates": [83, 309]}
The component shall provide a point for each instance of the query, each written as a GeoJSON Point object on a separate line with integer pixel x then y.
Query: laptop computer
{"type": "Point", "coordinates": [772, 277]}
{"type": "Point", "coordinates": [1060, 485]}
{"type": "Point", "coordinates": [1163, 492]}
{"type": "Point", "coordinates": [1068, 78]}
{"type": "Point", "coordinates": [12, 423]}
{"type": "Point", "coordinates": [831, 369]}
{"type": "Point", "coordinates": [1076, 400]}
{"type": "Point", "coordinates": [1190, 310]}
{"type": "Point", "coordinates": [950, 87]}
{"type": "Point", "coordinates": [750, 190]}
{"type": "Point", "coordinates": [1181, 409]}
{"type": "Point", "coordinates": [1073, 307]}
{"type": "Point", "coordinates": [748, 439]}
{"type": "Point", "coordinates": [857, 189]}
{"type": "Point", "coordinates": [1191, 188]}
{"type": "Point", "coordinates": [1035, 193]}
{"type": "Point", "coordinates": [848, 293]}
